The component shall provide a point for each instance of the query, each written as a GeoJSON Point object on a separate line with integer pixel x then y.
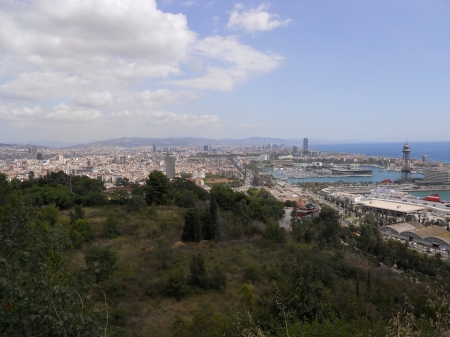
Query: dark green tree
{"type": "Point", "coordinates": [111, 227]}
{"type": "Point", "coordinates": [80, 232]}
{"type": "Point", "coordinates": [207, 226]}
{"type": "Point", "coordinates": [163, 252]}
{"type": "Point", "coordinates": [198, 271]}
{"type": "Point", "coordinates": [185, 198]}
{"type": "Point", "coordinates": [191, 230]}
{"type": "Point", "coordinates": [158, 185]}
{"type": "Point", "coordinates": [78, 213]}
{"type": "Point", "coordinates": [214, 211]}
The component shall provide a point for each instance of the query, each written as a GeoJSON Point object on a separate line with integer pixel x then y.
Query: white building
{"type": "Point", "coordinates": [436, 175]}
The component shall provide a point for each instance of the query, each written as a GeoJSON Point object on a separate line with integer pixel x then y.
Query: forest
{"type": "Point", "coordinates": [171, 259]}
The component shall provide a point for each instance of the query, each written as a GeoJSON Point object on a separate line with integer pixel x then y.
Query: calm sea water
{"type": "Point", "coordinates": [444, 195]}
{"type": "Point", "coordinates": [379, 176]}
{"type": "Point", "coordinates": [436, 151]}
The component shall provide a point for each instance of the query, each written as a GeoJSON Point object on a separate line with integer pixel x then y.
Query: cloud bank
{"type": "Point", "coordinates": [116, 65]}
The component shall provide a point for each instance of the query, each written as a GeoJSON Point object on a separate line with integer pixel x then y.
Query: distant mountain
{"type": "Point", "coordinates": [185, 141]}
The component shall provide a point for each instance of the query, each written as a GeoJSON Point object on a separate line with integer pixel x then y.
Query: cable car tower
{"type": "Point", "coordinates": [406, 167]}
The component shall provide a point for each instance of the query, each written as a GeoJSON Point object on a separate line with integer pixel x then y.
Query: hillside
{"type": "Point", "coordinates": [183, 262]}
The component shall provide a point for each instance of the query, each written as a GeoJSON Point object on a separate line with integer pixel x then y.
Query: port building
{"type": "Point", "coordinates": [414, 232]}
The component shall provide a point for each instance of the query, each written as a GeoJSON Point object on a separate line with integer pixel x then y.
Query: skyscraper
{"type": "Point", "coordinates": [305, 145]}
{"type": "Point", "coordinates": [295, 149]}
{"type": "Point", "coordinates": [154, 148]}
{"type": "Point", "coordinates": [170, 165]}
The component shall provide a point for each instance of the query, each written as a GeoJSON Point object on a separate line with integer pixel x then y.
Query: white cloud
{"type": "Point", "coordinates": [252, 125]}
{"type": "Point", "coordinates": [108, 40]}
{"type": "Point", "coordinates": [60, 112]}
{"type": "Point", "coordinates": [229, 62]}
{"type": "Point", "coordinates": [111, 65]}
{"type": "Point", "coordinates": [190, 3]}
{"type": "Point", "coordinates": [161, 97]}
{"type": "Point", "coordinates": [95, 99]}
{"type": "Point", "coordinates": [167, 118]}
{"type": "Point", "coordinates": [254, 20]}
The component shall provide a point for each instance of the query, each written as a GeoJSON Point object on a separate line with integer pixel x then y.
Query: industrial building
{"type": "Point", "coordinates": [431, 236]}
{"type": "Point", "coordinates": [391, 208]}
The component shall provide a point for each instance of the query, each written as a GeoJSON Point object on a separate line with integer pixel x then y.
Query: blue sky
{"type": "Point", "coordinates": [339, 70]}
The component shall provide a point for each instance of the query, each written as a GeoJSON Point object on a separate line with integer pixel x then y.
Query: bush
{"type": "Point", "coordinates": [94, 199]}
{"type": "Point", "coordinates": [275, 233]}
{"type": "Point", "coordinates": [176, 284]}
{"type": "Point", "coordinates": [110, 227]}
{"type": "Point", "coordinates": [135, 204]}
{"type": "Point", "coordinates": [198, 271]}
{"type": "Point", "coordinates": [163, 252]}
{"type": "Point", "coordinates": [252, 273]}
{"type": "Point", "coordinates": [80, 232]}
{"type": "Point", "coordinates": [217, 279]}
{"type": "Point", "coordinates": [101, 262]}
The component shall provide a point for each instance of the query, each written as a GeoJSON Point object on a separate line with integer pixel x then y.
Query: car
{"type": "Point", "coordinates": [443, 249]}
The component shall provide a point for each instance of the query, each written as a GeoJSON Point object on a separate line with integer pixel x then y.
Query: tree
{"type": "Point", "coordinates": [120, 197]}
{"type": "Point", "coordinates": [78, 213]}
{"type": "Point", "coordinates": [191, 230]}
{"type": "Point", "coordinates": [110, 227]}
{"type": "Point", "coordinates": [80, 232]}
{"type": "Point", "coordinates": [198, 271]}
{"type": "Point", "coordinates": [49, 214]}
{"type": "Point", "coordinates": [101, 262]}
{"type": "Point", "coordinates": [185, 199]}
{"type": "Point", "coordinates": [163, 252]}
{"type": "Point", "coordinates": [158, 185]}
{"type": "Point", "coordinates": [207, 226]}
{"type": "Point", "coordinates": [214, 211]}
{"type": "Point", "coordinates": [39, 297]}
{"type": "Point", "coordinates": [176, 284]}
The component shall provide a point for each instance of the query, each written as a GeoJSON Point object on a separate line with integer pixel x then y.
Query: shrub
{"type": "Point", "coordinates": [176, 284]}
{"type": "Point", "coordinates": [94, 199]}
{"type": "Point", "coordinates": [198, 271]}
{"type": "Point", "coordinates": [252, 273]}
{"type": "Point", "coordinates": [77, 214]}
{"type": "Point", "coordinates": [217, 279]}
{"type": "Point", "coordinates": [110, 227]}
{"type": "Point", "coordinates": [163, 252]}
{"type": "Point", "coordinates": [275, 233]}
{"type": "Point", "coordinates": [101, 262]}
{"type": "Point", "coordinates": [80, 232]}
{"type": "Point", "coordinates": [135, 204]}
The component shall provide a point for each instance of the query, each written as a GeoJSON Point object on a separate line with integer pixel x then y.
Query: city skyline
{"type": "Point", "coordinates": [361, 72]}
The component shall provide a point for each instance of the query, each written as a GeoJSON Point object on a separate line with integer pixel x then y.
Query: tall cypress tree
{"type": "Point", "coordinates": [191, 230]}
{"type": "Point", "coordinates": [207, 226]}
{"type": "Point", "coordinates": [214, 210]}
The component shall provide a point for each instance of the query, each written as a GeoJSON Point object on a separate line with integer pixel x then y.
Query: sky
{"type": "Point", "coordinates": [83, 70]}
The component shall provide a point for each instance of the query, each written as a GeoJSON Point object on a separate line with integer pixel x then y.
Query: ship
{"type": "Point", "coordinates": [433, 197]}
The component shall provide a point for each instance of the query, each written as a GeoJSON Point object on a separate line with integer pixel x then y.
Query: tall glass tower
{"type": "Point", "coordinates": [305, 145]}
{"type": "Point", "coordinates": [170, 165]}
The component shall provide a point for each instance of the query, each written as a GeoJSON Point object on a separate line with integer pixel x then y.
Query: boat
{"type": "Point", "coordinates": [433, 197]}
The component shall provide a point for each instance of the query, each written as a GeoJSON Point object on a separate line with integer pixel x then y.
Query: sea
{"type": "Point", "coordinates": [377, 177]}
{"type": "Point", "coordinates": [436, 151]}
